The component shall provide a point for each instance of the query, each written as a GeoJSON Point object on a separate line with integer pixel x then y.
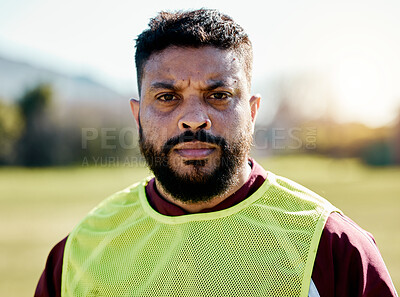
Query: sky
{"type": "Point", "coordinates": [354, 45]}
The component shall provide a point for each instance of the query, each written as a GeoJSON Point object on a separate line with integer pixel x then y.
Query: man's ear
{"type": "Point", "coordinates": [135, 110]}
{"type": "Point", "coordinates": [254, 106]}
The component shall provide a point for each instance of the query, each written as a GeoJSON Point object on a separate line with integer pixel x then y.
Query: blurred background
{"type": "Point", "coordinates": [328, 73]}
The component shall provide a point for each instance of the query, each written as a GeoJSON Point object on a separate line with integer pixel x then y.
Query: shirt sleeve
{"type": "Point", "coordinates": [348, 262]}
{"type": "Point", "coordinates": [49, 284]}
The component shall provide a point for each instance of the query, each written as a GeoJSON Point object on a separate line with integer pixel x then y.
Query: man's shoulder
{"type": "Point", "coordinates": [113, 211]}
{"type": "Point", "coordinates": [340, 225]}
{"type": "Point", "coordinates": [297, 195]}
{"type": "Point", "coordinates": [345, 237]}
{"type": "Point", "coordinates": [128, 196]}
{"type": "Point", "coordinates": [348, 261]}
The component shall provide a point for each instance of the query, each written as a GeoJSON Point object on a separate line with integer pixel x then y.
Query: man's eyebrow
{"type": "Point", "coordinates": [170, 85]}
{"type": "Point", "coordinates": [215, 84]}
{"type": "Point", "coordinates": [163, 85]}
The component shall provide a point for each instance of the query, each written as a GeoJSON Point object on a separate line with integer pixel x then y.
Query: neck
{"type": "Point", "coordinates": [242, 177]}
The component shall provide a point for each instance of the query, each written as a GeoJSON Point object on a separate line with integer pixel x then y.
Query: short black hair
{"type": "Point", "coordinates": [196, 28]}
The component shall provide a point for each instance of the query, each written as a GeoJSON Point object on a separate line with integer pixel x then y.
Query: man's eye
{"type": "Point", "coordinates": [166, 97]}
{"type": "Point", "coordinates": [219, 96]}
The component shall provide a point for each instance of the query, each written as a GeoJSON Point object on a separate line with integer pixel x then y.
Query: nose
{"type": "Point", "coordinates": [194, 122]}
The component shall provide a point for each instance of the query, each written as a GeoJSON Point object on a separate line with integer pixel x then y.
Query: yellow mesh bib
{"type": "Point", "coordinates": [263, 246]}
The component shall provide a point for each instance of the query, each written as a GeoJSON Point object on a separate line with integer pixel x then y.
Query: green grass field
{"type": "Point", "coordinates": [40, 206]}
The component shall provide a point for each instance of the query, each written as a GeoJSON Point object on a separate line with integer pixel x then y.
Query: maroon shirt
{"type": "Point", "coordinates": [348, 263]}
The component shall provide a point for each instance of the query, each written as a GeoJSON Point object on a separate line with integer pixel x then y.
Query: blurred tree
{"type": "Point", "coordinates": [11, 126]}
{"type": "Point", "coordinates": [35, 101]}
{"type": "Point", "coordinates": [379, 153]}
{"type": "Point", "coordinates": [36, 143]}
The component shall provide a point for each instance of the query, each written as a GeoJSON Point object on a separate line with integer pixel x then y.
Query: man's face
{"type": "Point", "coordinates": [196, 120]}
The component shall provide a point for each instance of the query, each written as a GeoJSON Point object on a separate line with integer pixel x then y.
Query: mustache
{"type": "Point", "coordinates": [189, 136]}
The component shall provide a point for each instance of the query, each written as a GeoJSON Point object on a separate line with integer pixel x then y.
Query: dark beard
{"type": "Point", "coordinates": [197, 186]}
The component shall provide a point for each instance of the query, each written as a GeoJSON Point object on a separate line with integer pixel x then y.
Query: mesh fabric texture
{"type": "Point", "coordinates": [263, 246]}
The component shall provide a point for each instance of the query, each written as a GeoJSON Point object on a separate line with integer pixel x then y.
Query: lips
{"type": "Point", "coordinates": [194, 150]}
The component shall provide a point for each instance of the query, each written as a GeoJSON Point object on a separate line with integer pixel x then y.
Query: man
{"type": "Point", "coordinates": [212, 222]}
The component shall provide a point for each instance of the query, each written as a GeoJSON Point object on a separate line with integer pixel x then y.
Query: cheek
{"type": "Point", "coordinates": [245, 115]}
{"type": "Point", "coordinates": [155, 129]}
{"type": "Point", "coordinates": [236, 124]}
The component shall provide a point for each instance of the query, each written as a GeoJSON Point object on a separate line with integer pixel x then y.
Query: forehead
{"type": "Point", "coordinates": [195, 64]}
